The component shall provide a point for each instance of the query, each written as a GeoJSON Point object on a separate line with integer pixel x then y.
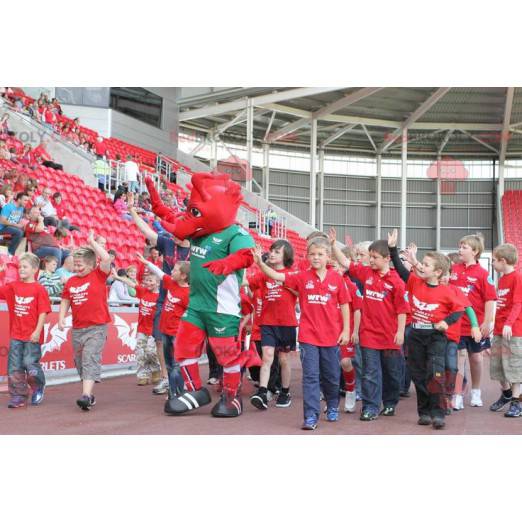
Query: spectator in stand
{"type": "Point", "coordinates": [67, 269]}
{"type": "Point", "coordinates": [42, 243]}
{"type": "Point", "coordinates": [48, 277]}
{"type": "Point", "coordinates": [132, 274]}
{"type": "Point", "coordinates": [40, 155]}
{"type": "Point", "coordinates": [6, 195]}
{"type": "Point", "coordinates": [11, 220]}
{"type": "Point", "coordinates": [26, 157]}
{"type": "Point", "coordinates": [49, 117]}
{"type": "Point", "coordinates": [4, 127]}
{"type": "Point", "coordinates": [102, 170]}
{"type": "Point", "coordinates": [120, 205]}
{"type": "Point", "coordinates": [58, 205]}
{"type": "Point", "coordinates": [119, 290]}
{"type": "Point", "coordinates": [50, 212]}
{"type": "Point", "coordinates": [30, 190]}
{"type": "Point", "coordinates": [100, 147]}
{"type": "Point", "coordinates": [132, 172]}
{"type": "Point", "coordinates": [155, 258]}
{"type": "Point", "coordinates": [4, 151]}
{"type": "Point", "coordinates": [270, 220]}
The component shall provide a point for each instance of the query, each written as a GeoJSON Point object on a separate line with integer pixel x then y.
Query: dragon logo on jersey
{"type": "Point", "coordinates": [425, 307]}
{"type": "Point", "coordinates": [23, 300]}
{"type": "Point", "coordinates": [58, 337]}
{"type": "Point", "coordinates": [219, 330]}
{"type": "Point", "coordinates": [79, 289]}
{"type": "Point", "coordinates": [332, 288]}
{"type": "Point", "coordinates": [309, 285]}
{"type": "Point", "coordinates": [503, 291]}
{"type": "Point", "coordinates": [217, 240]}
{"type": "Point", "coordinates": [172, 299]}
{"type": "Point", "coordinates": [126, 332]}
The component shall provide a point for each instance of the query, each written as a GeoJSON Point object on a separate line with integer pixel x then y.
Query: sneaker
{"type": "Point", "coordinates": [310, 423]}
{"type": "Point", "coordinates": [16, 402]}
{"type": "Point", "coordinates": [349, 402]}
{"type": "Point", "coordinates": [438, 423]}
{"type": "Point", "coordinates": [424, 420]}
{"type": "Point", "coordinates": [283, 400]}
{"type": "Point", "coordinates": [213, 381]}
{"type": "Point", "coordinates": [476, 400]}
{"type": "Point", "coordinates": [259, 400]}
{"type": "Point", "coordinates": [404, 394]}
{"type": "Point", "coordinates": [458, 402]}
{"type": "Point", "coordinates": [155, 378]}
{"type": "Point", "coordinates": [143, 381]}
{"type": "Point", "coordinates": [38, 396]}
{"type": "Point", "coordinates": [387, 411]}
{"type": "Point", "coordinates": [358, 396]}
{"type": "Point", "coordinates": [368, 416]}
{"type": "Point", "coordinates": [161, 388]}
{"type": "Point", "coordinates": [514, 409]}
{"type": "Point", "coordinates": [500, 404]}
{"type": "Point", "coordinates": [86, 402]}
{"type": "Point", "coordinates": [332, 414]}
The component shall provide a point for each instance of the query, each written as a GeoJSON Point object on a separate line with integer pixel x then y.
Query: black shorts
{"type": "Point", "coordinates": [467, 343]}
{"type": "Point", "coordinates": [282, 338]}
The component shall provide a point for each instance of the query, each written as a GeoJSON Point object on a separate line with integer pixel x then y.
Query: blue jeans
{"type": "Point", "coordinates": [23, 368]}
{"type": "Point", "coordinates": [321, 369]}
{"type": "Point", "coordinates": [16, 236]}
{"type": "Point", "coordinates": [50, 251]}
{"type": "Point", "coordinates": [176, 383]}
{"type": "Point", "coordinates": [382, 373]}
{"type": "Point", "coordinates": [357, 364]}
{"type": "Point", "coordinates": [133, 186]}
{"type": "Point", "coordinates": [452, 369]}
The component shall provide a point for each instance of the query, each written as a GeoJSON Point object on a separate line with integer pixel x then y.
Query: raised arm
{"type": "Point", "coordinates": [151, 266]}
{"type": "Point", "coordinates": [403, 272]}
{"type": "Point", "coordinates": [336, 251]}
{"type": "Point", "coordinates": [269, 272]}
{"type": "Point", "coordinates": [158, 207]}
{"type": "Point", "coordinates": [143, 227]}
{"type": "Point", "coordinates": [105, 258]}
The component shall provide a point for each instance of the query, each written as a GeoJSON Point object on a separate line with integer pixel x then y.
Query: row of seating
{"type": "Point", "coordinates": [511, 212]}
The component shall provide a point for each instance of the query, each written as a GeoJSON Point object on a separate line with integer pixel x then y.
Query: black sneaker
{"type": "Point", "coordinates": [438, 423]}
{"type": "Point", "coordinates": [283, 400]}
{"type": "Point", "coordinates": [388, 411]}
{"type": "Point", "coordinates": [86, 402]}
{"type": "Point", "coordinates": [424, 420]}
{"type": "Point", "coordinates": [404, 394]}
{"type": "Point", "coordinates": [500, 404]}
{"type": "Point", "coordinates": [514, 410]}
{"type": "Point", "coordinates": [368, 416]}
{"type": "Point", "coordinates": [259, 400]}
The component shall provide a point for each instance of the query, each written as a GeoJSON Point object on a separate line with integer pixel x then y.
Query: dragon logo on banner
{"type": "Point", "coordinates": [58, 337]}
{"type": "Point", "coordinates": [126, 333]}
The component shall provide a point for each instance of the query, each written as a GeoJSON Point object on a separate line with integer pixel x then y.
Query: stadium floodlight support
{"type": "Point", "coordinates": [257, 101]}
{"type": "Point", "coordinates": [250, 140]}
{"type": "Point", "coordinates": [213, 147]}
{"type": "Point", "coordinates": [439, 199]}
{"type": "Point", "coordinates": [370, 139]}
{"type": "Point", "coordinates": [404, 186]}
{"type": "Point", "coordinates": [379, 195]}
{"type": "Point", "coordinates": [313, 172]}
{"type": "Point", "coordinates": [266, 171]}
{"type": "Point", "coordinates": [413, 117]}
{"type": "Point", "coordinates": [321, 189]}
{"type": "Point", "coordinates": [345, 101]}
{"type": "Point", "coordinates": [267, 132]}
{"type": "Point", "coordinates": [504, 139]}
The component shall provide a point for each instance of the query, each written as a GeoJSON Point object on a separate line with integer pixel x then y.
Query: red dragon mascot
{"type": "Point", "coordinates": [220, 251]}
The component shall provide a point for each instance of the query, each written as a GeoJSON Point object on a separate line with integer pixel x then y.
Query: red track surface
{"type": "Point", "coordinates": [125, 409]}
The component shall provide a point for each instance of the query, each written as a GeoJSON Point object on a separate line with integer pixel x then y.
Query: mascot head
{"type": "Point", "coordinates": [213, 204]}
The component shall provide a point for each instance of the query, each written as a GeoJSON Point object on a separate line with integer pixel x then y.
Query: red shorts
{"type": "Point", "coordinates": [347, 351]}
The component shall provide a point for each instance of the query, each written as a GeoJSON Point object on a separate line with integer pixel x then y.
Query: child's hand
{"type": "Point", "coordinates": [35, 337]}
{"type": "Point", "coordinates": [355, 337]}
{"type": "Point", "coordinates": [332, 235]}
{"type": "Point", "coordinates": [476, 334]}
{"type": "Point", "coordinates": [257, 252]}
{"type": "Point", "coordinates": [485, 329]}
{"type": "Point", "coordinates": [441, 326]}
{"type": "Point", "coordinates": [392, 238]}
{"type": "Point", "coordinates": [90, 238]}
{"type": "Point", "coordinates": [399, 338]}
{"type": "Point", "coordinates": [507, 332]}
{"type": "Point", "coordinates": [141, 259]}
{"type": "Point", "coordinates": [344, 338]}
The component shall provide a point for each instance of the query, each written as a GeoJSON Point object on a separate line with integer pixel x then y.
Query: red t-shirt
{"type": "Point", "coordinates": [320, 323]}
{"type": "Point", "coordinates": [477, 285]}
{"type": "Point", "coordinates": [88, 297]}
{"type": "Point", "coordinates": [100, 148]}
{"type": "Point", "coordinates": [384, 299]}
{"type": "Point", "coordinates": [25, 302]}
{"type": "Point", "coordinates": [453, 333]}
{"type": "Point", "coordinates": [147, 309]}
{"type": "Point", "coordinates": [509, 293]}
{"type": "Point", "coordinates": [430, 304]}
{"type": "Point", "coordinates": [258, 310]}
{"type": "Point", "coordinates": [174, 306]}
{"type": "Point", "coordinates": [357, 302]}
{"type": "Point", "coordinates": [278, 301]}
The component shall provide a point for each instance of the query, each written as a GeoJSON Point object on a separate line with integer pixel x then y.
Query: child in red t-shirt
{"type": "Point", "coordinates": [174, 305]}
{"type": "Point", "coordinates": [148, 370]}
{"type": "Point", "coordinates": [382, 328]}
{"type": "Point", "coordinates": [321, 330]}
{"type": "Point", "coordinates": [278, 324]}
{"type": "Point", "coordinates": [506, 354]}
{"type": "Point", "coordinates": [86, 294]}
{"type": "Point", "coordinates": [28, 305]}
{"type": "Point", "coordinates": [476, 283]}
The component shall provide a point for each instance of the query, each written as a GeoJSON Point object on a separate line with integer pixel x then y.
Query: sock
{"type": "Point", "coordinates": [285, 391]}
{"type": "Point", "coordinates": [263, 389]}
{"type": "Point", "coordinates": [231, 381]}
{"type": "Point", "coordinates": [507, 394]}
{"type": "Point", "coordinates": [349, 380]}
{"type": "Point", "coordinates": [190, 373]}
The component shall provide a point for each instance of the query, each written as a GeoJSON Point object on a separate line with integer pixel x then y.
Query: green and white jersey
{"type": "Point", "coordinates": [209, 292]}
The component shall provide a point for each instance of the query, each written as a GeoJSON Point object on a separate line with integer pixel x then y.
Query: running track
{"type": "Point", "coordinates": [125, 409]}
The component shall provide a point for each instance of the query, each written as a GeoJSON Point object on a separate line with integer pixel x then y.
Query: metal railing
{"type": "Point", "coordinates": [117, 177]}
{"type": "Point", "coordinates": [271, 227]}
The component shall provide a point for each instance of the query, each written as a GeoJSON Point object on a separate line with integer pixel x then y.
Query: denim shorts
{"type": "Point", "coordinates": [467, 343]}
{"type": "Point", "coordinates": [282, 338]}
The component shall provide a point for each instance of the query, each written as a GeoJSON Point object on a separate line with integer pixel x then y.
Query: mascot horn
{"type": "Point", "coordinates": [220, 251]}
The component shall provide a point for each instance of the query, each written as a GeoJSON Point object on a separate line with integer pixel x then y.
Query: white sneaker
{"type": "Point", "coordinates": [349, 402]}
{"type": "Point", "coordinates": [161, 388]}
{"type": "Point", "coordinates": [476, 399]}
{"type": "Point", "coordinates": [458, 402]}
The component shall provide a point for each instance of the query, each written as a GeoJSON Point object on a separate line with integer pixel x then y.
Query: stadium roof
{"type": "Point", "coordinates": [466, 122]}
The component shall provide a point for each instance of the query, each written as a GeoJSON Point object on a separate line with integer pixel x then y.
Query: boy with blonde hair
{"type": "Point", "coordinates": [506, 353]}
